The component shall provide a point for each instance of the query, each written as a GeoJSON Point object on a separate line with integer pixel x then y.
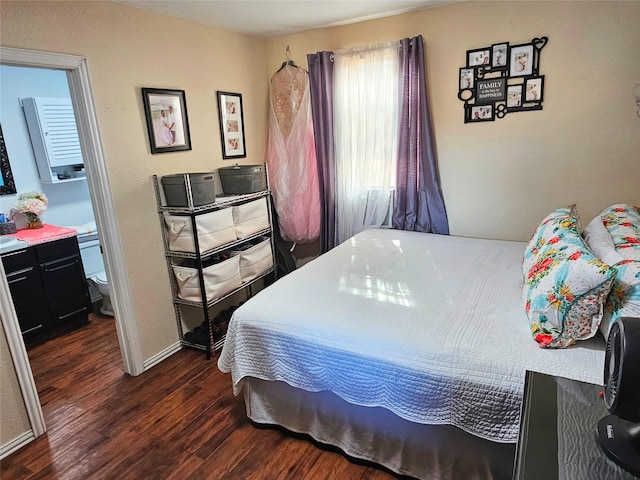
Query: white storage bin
{"type": "Point", "coordinates": [219, 279]}
{"type": "Point", "coordinates": [255, 260]}
{"type": "Point", "coordinates": [214, 229]}
{"type": "Point", "coordinates": [251, 217]}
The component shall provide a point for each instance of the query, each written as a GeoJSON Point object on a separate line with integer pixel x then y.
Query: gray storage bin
{"type": "Point", "coordinates": [241, 179]}
{"type": "Point", "coordinates": [202, 189]}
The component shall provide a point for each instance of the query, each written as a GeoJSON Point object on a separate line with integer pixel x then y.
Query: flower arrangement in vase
{"type": "Point", "coordinates": [33, 205]}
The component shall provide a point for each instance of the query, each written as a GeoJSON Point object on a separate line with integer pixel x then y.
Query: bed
{"type": "Point", "coordinates": [401, 348]}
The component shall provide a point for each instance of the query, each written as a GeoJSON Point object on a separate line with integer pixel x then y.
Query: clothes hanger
{"type": "Point", "coordinates": [288, 61]}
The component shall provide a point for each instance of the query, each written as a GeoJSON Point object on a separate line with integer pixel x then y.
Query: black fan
{"type": "Point", "coordinates": [619, 433]}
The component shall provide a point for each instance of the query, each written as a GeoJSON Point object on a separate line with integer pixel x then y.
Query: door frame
{"type": "Point", "coordinates": [103, 205]}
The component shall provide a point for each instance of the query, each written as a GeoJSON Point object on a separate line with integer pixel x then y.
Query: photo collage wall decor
{"type": "Point", "coordinates": [501, 79]}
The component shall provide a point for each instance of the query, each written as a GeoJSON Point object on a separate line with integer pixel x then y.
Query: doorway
{"type": "Point", "coordinates": [100, 194]}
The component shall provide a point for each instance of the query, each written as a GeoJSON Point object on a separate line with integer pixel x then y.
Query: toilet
{"type": "Point", "coordinates": [101, 284]}
{"type": "Point", "coordinates": [91, 254]}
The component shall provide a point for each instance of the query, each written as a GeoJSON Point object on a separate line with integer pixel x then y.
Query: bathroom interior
{"type": "Point", "coordinates": [69, 201]}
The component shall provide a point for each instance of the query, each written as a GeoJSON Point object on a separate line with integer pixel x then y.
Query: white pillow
{"type": "Point", "coordinates": [600, 242]}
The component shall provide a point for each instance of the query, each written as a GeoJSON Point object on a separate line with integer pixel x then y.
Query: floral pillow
{"type": "Point", "coordinates": [563, 217]}
{"type": "Point", "coordinates": [565, 284]}
{"type": "Point", "coordinates": [623, 223]}
{"type": "Point", "coordinates": [624, 299]}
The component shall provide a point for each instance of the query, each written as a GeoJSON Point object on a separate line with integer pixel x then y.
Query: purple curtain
{"type": "Point", "coordinates": [418, 205]}
{"type": "Point", "coordinates": [321, 85]}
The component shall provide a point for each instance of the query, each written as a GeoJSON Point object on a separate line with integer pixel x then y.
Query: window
{"type": "Point", "coordinates": [366, 106]}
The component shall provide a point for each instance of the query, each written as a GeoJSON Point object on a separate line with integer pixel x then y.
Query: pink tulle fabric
{"type": "Point", "coordinates": [291, 156]}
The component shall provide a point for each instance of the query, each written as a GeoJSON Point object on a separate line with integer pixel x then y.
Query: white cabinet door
{"type": "Point", "coordinates": [54, 135]}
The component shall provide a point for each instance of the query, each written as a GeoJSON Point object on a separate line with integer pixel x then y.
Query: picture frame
{"type": "Point", "coordinates": [521, 60]}
{"type": "Point", "coordinates": [481, 56]}
{"type": "Point", "coordinates": [231, 116]}
{"type": "Point", "coordinates": [534, 89]}
{"type": "Point", "coordinates": [514, 96]}
{"type": "Point", "coordinates": [500, 56]}
{"type": "Point", "coordinates": [7, 184]}
{"type": "Point", "coordinates": [167, 120]}
{"type": "Point", "coordinates": [501, 79]}
{"type": "Point", "coordinates": [467, 76]}
{"type": "Point", "coordinates": [481, 113]}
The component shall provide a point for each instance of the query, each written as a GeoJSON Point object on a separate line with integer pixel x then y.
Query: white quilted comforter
{"type": "Point", "coordinates": [430, 327]}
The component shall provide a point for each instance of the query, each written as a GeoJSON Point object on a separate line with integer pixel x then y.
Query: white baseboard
{"type": "Point", "coordinates": [160, 356]}
{"type": "Point", "coordinates": [17, 443]}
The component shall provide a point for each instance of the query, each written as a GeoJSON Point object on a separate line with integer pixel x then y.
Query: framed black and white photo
{"type": "Point", "coordinates": [478, 57]}
{"type": "Point", "coordinates": [534, 89]}
{"type": "Point", "coordinates": [499, 55]}
{"type": "Point", "coordinates": [514, 96]}
{"type": "Point", "coordinates": [521, 60]}
{"type": "Point", "coordinates": [167, 121]}
{"type": "Point", "coordinates": [231, 125]}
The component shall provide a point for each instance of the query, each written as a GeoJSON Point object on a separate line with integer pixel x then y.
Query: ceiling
{"type": "Point", "coordinates": [271, 18]}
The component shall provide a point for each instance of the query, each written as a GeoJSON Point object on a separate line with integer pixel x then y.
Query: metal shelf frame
{"type": "Point", "coordinates": [172, 256]}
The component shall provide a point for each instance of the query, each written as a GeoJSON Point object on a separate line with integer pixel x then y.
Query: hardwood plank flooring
{"type": "Point", "coordinates": [177, 421]}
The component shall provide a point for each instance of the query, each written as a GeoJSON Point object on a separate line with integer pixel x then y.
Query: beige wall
{"type": "Point", "coordinates": [126, 49]}
{"type": "Point", "coordinates": [500, 178]}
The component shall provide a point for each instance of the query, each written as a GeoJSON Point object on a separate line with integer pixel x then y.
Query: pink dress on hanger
{"type": "Point", "coordinates": [291, 156]}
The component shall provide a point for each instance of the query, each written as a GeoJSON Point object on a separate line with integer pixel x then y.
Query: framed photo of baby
{"type": "Point", "coordinates": [481, 113]}
{"type": "Point", "coordinates": [534, 89]}
{"type": "Point", "coordinates": [499, 56]}
{"type": "Point", "coordinates": [231, 125]}
{"type": "Point", "coordinates": [467, 76]}
{"type": "Point", "coordinates": [514, 96]}
{"type": "Point", "coordinates": [476, 58]}
{"type": "Point", "coordinates": [167, 121]}
{"type": "Point", "coordinates": [521, 60]}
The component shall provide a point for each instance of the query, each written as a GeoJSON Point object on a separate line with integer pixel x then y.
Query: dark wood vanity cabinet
{"type": "Point", "coordinates": [48, 288]}
{"type": "Point", "coordinates": [28, 293]}
{"type": "Point", "coordinates": [65, 284]}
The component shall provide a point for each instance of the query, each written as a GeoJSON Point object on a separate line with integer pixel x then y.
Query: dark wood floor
{"type": "Point", "coordinates": [179, 420]}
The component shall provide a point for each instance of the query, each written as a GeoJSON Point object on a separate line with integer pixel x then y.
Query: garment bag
{"type": "Point", "coordinates": [291, 155]}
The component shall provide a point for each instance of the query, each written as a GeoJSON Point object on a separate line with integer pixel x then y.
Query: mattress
{"type": "Point", "coordinates": [429, 327]}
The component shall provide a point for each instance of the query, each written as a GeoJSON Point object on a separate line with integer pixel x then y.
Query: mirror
{"type": "Point", "coordinates": [7, 185]}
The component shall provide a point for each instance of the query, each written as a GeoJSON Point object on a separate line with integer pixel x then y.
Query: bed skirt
{"type": "Point", "coordinates": [434, 452]}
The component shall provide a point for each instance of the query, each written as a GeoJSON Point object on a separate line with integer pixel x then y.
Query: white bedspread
{"type": "Point", "coordinates": [430, 327]}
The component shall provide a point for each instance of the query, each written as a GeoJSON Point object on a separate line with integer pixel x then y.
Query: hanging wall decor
{"type": "Point", "coordinates": [7, 185]}
{"type": "Point", "coordinates": [501, 79]}
{"type": "Point", "coordinates": [231, 125]}
{"type": "Point", "coordinates": [167, 122]}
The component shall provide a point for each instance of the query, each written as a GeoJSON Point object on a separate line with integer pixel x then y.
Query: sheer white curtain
{"type": "Point", "coordinates": [365, 134]}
